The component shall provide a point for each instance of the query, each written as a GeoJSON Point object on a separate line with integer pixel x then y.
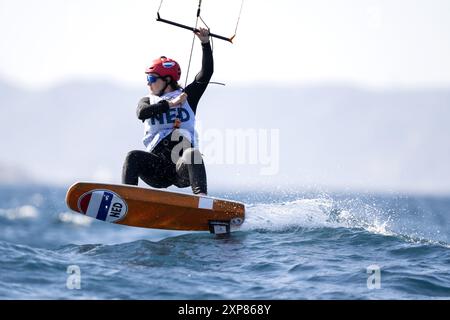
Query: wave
{"type": "Point", "coordinates": [330, 213]}
{"type": "Point", "coordinates": [20, 213]}
{"type": "Point", "coordinates": [75, 219]}
{"type": "Point", "coordinates": [309, 213]}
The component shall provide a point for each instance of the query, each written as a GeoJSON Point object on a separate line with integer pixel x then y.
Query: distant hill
{"type": "Point", "coordinates": [13, 175]}
{"type": "Point", "coordinates": [332, 135]}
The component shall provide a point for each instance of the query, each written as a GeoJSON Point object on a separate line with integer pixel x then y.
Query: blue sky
{"type": "Point", "coordinates": [400, 43]}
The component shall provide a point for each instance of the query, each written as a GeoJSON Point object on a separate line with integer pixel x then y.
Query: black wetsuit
{"type": "Point", "coordinates": [156, 168]}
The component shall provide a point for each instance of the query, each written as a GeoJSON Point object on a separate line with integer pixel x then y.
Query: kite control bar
{"type": "Point", "coordinates": [176, 24]}
{"type": "Point", "coordinates": [194, 29]}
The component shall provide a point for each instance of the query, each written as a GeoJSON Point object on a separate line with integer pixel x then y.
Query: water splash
{"type": "Point", "coordinates": [353, 213]}
{"type": "Point", "coordinates": [282, 216]}
{"type": "Point", "coordinates": [21, 213]}
{"type": "Point", "coordinates": [315, 213]}
{"type": "Point", "coordinates": [75, 219]}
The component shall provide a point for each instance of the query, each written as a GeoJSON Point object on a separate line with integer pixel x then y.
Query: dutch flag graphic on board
{"type": "Point", "coordinates": [103, 205]}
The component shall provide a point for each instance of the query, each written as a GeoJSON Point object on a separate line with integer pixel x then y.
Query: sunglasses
{"type": "Point", "coordinates": [152, 79]}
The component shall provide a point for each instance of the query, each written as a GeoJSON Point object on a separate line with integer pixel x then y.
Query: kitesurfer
{"type": "Point", "coordinates": [172, 156]}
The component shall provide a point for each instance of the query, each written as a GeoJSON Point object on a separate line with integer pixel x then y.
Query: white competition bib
{"type": "Point", "coordinates": [161, 125]}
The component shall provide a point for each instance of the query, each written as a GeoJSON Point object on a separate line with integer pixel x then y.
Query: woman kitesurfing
{"type": "Point", "coordinates": [168, 113]}
{"type": "Point", "coordinates": [171, 157]}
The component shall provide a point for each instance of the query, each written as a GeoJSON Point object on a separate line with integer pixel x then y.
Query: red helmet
{"type": "Point", "coordinates": [165, 67]}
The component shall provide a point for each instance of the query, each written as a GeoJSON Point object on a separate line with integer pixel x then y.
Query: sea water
{"type": "Point", "coordinates": [293, 245]}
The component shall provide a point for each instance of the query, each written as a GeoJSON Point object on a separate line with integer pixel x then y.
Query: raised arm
{"type": "Point", "coordinates": [196, 89]}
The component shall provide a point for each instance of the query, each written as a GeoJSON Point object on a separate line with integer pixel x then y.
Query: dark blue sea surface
{"type": "Point", "coordinates": [293, 245]}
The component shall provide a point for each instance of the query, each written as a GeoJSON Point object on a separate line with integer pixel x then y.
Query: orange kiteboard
{"type": "Point", "coordinates": [150, 208]}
